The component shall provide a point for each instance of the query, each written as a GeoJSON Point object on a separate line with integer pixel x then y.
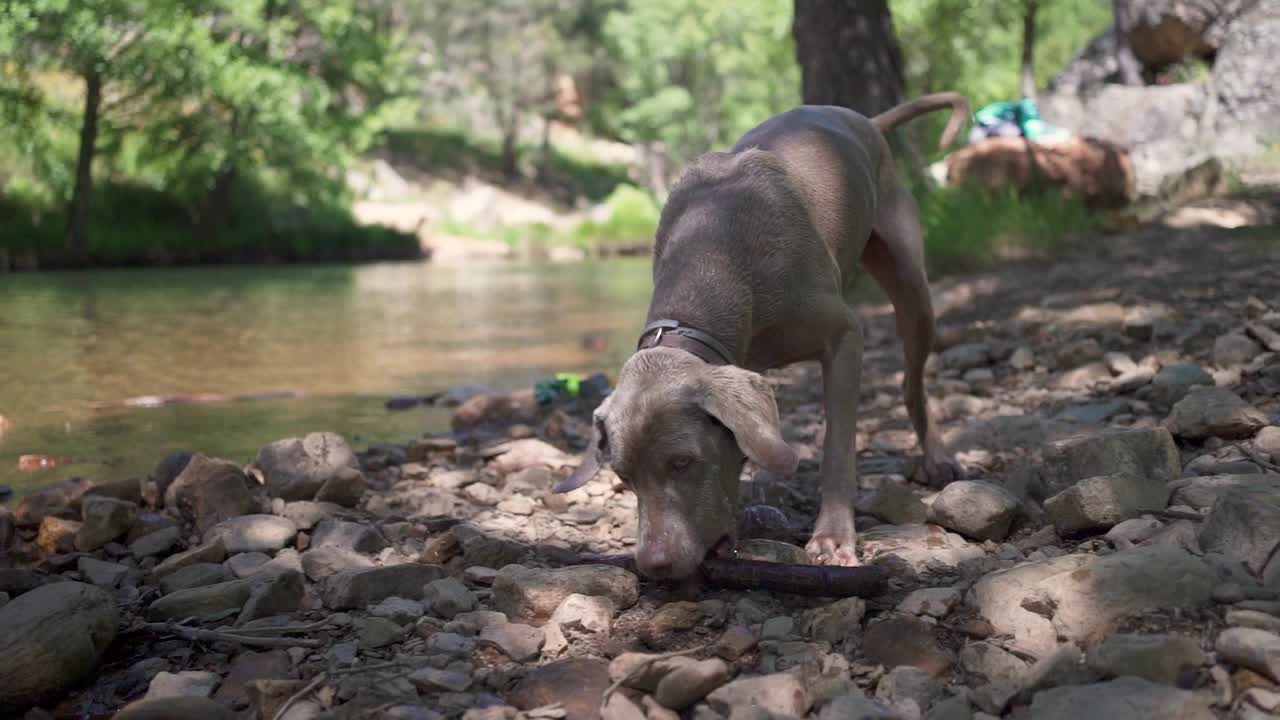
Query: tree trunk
{"type": "Point", "coordinates": [1029, 50]}
{"type": "Point", "coordinates": [848, 54]}
{"type": "Point", "coordinates": [510, 168]}
{"type": "Point", "coordinates": [77, 233]}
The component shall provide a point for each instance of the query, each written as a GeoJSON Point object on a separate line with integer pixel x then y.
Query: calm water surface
{"type": "Point", "coordinates": [74, 347]}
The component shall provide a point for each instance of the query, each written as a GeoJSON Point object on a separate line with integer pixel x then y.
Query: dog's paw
{"type": "Point", "coordinates": [840, 550]}
{"type": "Point", "coordinates": [937, 474]}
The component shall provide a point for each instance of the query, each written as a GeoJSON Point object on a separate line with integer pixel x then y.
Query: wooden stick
{"type": "Point", "coordinates": [200, 635]}
{"type": "Point", "coordinates": [744, 574]}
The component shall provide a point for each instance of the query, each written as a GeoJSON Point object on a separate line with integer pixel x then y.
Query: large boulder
{"type": "Point", "coordinates": [50, 638]}
{"type": "Point", "coordinates": [208, 491]}
{"type": "Point", "coordinates": [1163, 32]}
{"type": "Point", "coordinates": [296, 468]}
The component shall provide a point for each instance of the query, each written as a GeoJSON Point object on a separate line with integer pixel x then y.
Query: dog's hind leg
{"type": "Point", "coordinates": [894, 256]}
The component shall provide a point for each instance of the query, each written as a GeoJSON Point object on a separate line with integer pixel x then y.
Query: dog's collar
{"type": "Point", "coordinates": [669, 332]}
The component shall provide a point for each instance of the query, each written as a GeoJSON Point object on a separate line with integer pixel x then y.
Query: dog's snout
{"type": "Point", "coordinates": [656, 560]}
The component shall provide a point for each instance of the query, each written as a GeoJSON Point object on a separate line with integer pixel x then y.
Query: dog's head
{"type": "Point", "coordinates": [677, 431]}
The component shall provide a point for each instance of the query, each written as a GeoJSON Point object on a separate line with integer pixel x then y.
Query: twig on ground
{"type": "Point", "coordinates": [281, 629]}
{"type": "Point", "coordinates": [1256, 458]}
{"type": "Point", "coordinates": [201, 635]}
{"type": "Point", "coordinates": [1173, 514]}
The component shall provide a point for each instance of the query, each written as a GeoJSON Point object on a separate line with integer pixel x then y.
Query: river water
{"type": "Point", "coordinates": [78, 350]}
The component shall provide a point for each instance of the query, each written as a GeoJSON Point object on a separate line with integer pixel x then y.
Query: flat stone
{"type": "Point", "coordinates": [835, 622]}
{"type": "Point", "coordinates": [273, 593]}
{"type": "Point", "coordinates": [779, 693]}
{"type": "Point", "coordinates": [894, 503]}
{"type": "Point", "coordinates": [1257, 650]}
{"type": "Point", "coordinates": [211, 552]}
{"type": "Point", "coordinates": [296, 468]}
{"type": "Point", "coordinates": [688, 685]}
{"type": "Point", "coordinates": [1202, 492]}
{"type": "Point", "coordinates": [167, 708]}
{"type": "Point", "coordinates": [1103, 501]}
{"type": "Point", "coordinates": [376, 632]}
{"type": "Point", "coordinates": [246, 564]}
{"type": "Point", "coordinates": [322, 562]}
{"type": "Point", "coordinates": [1244, 525]}
{"type": "Point", "coordinates": [307, 514]}
{"type": "Point", "coordinates": [856, 704]}
{"type": "Point", "coordinates": [430, 679]}
{"type": "Point", "coordinates": [359, 588]}
{"type": "Point", "coordinates": [1214, 412]}
{"type": "Point", "coordinates": [344, 488]}
{"type": "Point", "coordinates": [159, 542]}
{"type": "Point", "coordinates": [519, 642]}
{"type": "Point", "coordinates": [188, 683]}
{"type": "Point", "coordinates": [353, 536]}
{"type": "Point", "coordinates": [1131, 698]}
{"type": "Point", "coordinates": [398, 610]}
{"type": "Point", "coordinates": [1148, 453]}
{"type": "Point", "coordinates": [998, 599]}
{"type": "Point", "coordinates": [447, 597]}
{"type": "Point", "coordinates": [975, 509]}
{"type": "Point", "coordinates": [909, 690]}
{"type": "Point", "coordinates": [578, 684]}
{"type": "Point", "coordinates": [593, 614]}
{"type": "Point", "coordinates": [208, 603]}
{"type": "Point", "coordinates": [194, 576]}
{"type": "Point", "coordinates": [1234, 349]}
{"type": "Point", "coordinates": [1158, 658]}
{"type": "Point", "coordinates": [253, 533]}
{"type": "Point", "coordinates": [103, 519]}
{"type": "Point", "coordinates": [51, 637]}
{"type": "Point", "coordinates": [532, 595]}
{"type": "Point", "coordinates": [991, 662]}
{"type": "Point", "coordinates": [250, 666]}
{"type": "Point", "coordinates": [772, 551]}
{"type": "Point", "coordinates": [906, 640]}
{"type": "Point", "coordinates": [934, 602]}
{"type": "Point", "coordinates": [102, 574]}
{"type": "Point", "coordinates": [914, 549]}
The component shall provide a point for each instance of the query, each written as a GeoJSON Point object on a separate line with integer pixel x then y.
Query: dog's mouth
{"type": "Point", "coordinates": [725, 547]}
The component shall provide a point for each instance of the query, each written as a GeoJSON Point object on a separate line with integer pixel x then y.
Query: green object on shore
{"type": "Point", "coordinates": [1023, 113]}
{"type": "Point", "coordinates": [563, 384]}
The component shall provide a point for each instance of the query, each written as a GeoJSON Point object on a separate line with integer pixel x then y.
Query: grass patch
{"type": "Point", "coordinates": [136, 225]}
{"type": "Point", "coordinates": [967, 228]}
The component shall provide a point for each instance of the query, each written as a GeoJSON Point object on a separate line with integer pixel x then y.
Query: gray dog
{"type": "Point", "coordinates": [755, 252]}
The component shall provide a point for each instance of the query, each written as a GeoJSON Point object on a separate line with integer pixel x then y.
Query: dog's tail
{"type": "Point", "coordinates": [895, 116]}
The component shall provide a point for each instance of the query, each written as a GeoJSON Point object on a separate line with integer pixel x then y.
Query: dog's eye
{"type": "Point", "coordinates": [680, 462]}
{"type": "Point", "coordinates": [603, 444]}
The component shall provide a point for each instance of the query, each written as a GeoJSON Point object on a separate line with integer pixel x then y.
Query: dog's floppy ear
{"type": "Point", "coordinates": [743, 402]}
{"type": "Point", "coordinates": [592, 458]}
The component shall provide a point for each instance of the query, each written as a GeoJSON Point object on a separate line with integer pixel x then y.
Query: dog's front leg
{"type": "Point", "coordinates": [834, 539]}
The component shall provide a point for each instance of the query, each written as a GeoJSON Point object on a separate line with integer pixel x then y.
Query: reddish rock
{"type": "Point", "coordinates": [1097, 171]}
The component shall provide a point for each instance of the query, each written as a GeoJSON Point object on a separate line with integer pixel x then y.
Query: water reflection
{"type": "Point", "coordinates": [74, 346]}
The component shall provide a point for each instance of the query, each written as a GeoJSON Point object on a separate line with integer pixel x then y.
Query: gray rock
{"type": "Point", "coordinates": [687, 685]}
{"type": "Point", "coordinates": [208, 603]}
{"type": "Point", "coordinates": [855, 704]}
{"type": "Point", "coordinates": [1268, 441]}
{"type": "Point", "coordinates": [1244, 525]}
{"type": "Point", "coordinates": [835, 622]}
{"type": "Point", "coordinates": [360, 588]}
{"type": "Point", "coordinates": [518, 641]}
{"type": "Point", "coordinates": [402, 611]}
{"type": "Point", "coordinates": [914, 549]}
{"type": "Point", "coordinates": [934, 602]}
{"type": "Point", "coordinates": [188, 683]}
{"type": "Point", "coordinates": [246, 564]}
{"type": "Point", "coordinates": [1088, 604]}
{"type": "Point", "coordinates": [447, 597]}
{"type": "Point", "coordinates": [966, 356]}
{"type": "Point", "coordinates": [1202, 492]}
{"type": "Point", "coordinates": [430, 679]}
{"type": "Point", "coordinates": [1252, 619]}
{"type": "Point", "coordinates": [1146, 453]}
{"type": "Point", "coordinates": [532, 595]}
{"type": "Point", "coordinates": [1257, 650]}
{"type": "Point", "coordinates": [1173, 382]}
{"type": "Point", "coordinates": [991, 662]}
{"type": "Point", "coordinates": [345, 488]}
{"type": "Point", "coordinates": [306, 514]}
{"type": "Point", "coordinates": [103, 519]}
{"type": "Point", "coordinates": [208, 491]}
{"type": "Point", "coordinates": [253, 533]}
{"type": "Point", "coordinates": [894, 503]}
{"type": "Point", "coordinates": [586, 613]}
{"type": "Point", "coordinates": [777, 628]}
{"type": "Point", "coordinates": [54, 500]}
{"type": "Point", "coordinates": [1234, 349]}
{"type": "Point", "coordinates": [376, 632]}
{"type": "Point", "coordinates": [159, 542]}
{"type": "Point", "coordinates": [273, 593]}
{"type": "Point", "coordinates": [1023, 358]}
{"type": "Point", "coordinates": [998, 599]}
{"type": "Point", "coordinates": [102, 574]}
{"type": "Point", "coordinates": [1158, 658]}
{"type": "Point", "coordinates": [356, 537]}
{"type": "Point", "coordinates": [213, 552]}
{"type": "Point", "coordinates": [1064, 665]}
{"type": "Point", "coordinates": [1103, 501]}
{"type": "Point", "coordinates": [909, 690]}
{"type": "Point", "coordinates": [906, 640]}
{"type": "Point", "coordinates": [296, 468]}
{"type": "Point", "coordinates": [779, 693]}
{"type": "Point", "coordinates": [975, 509]}
{"type": "Point", "coordinates": [320, 563]}
{"type": "Point", "coordinates": [1214, 412]}
{"type": "Point", "coordinates": [1133, 531]}
{"type": "Point", "coordinates": [772, 551]}
{"type": "Point", "coordinates": [1131, 698]}
{"type": "Point", "coordinates": [167, 708]}
{"type": "Point", "coordinates": [50, 638]}
{"type": "Point", "coordinates": [194, 576]}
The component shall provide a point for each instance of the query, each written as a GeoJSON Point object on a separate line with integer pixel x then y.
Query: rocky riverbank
{"type": "Point", "coordinates": [1113, 552]}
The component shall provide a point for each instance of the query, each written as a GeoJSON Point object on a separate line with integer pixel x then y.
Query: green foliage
{"type": "Point", "coordinates": [965, 227]}
{"type": "Point", "coordinates": [632, 220]}
{"type": "Point", "coordinates": [698, 74]}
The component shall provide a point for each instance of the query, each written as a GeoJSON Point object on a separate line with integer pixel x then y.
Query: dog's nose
{"type": "Point", "coordinates": [655, 561]}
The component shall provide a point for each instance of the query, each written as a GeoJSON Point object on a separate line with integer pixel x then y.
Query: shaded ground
{"type": "Point", "coordinates": [1127, 574]}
